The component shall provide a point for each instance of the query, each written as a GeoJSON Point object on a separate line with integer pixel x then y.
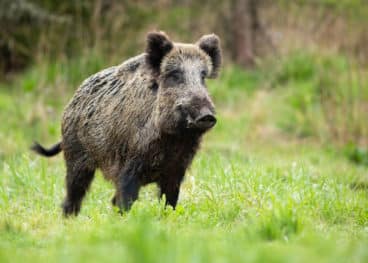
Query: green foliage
{"type": "Point", "coordinates": [52, 29]}
{"type": "Point", "coordinates": [70, 71]}
{"type": "Point", "coordinates": [354, 9]}
{"type": "Point", "coordinates": [235, 84]}
{"type": "Point", "coordinates": [323, 96]}
{"type": "Point", "coordinates": [48, 30]}
{"type": "Point", "coordinates": [298, 66]}
{"type": "Point", "coordinates": [356, 154]}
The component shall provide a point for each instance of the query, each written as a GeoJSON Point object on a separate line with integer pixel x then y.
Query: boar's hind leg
{"type": "Point", "coordinates": [129, 185]}
{"type": "Point", "coordinates": [78, 180]}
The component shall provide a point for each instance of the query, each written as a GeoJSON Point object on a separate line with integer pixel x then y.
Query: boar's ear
{"type": "Point", "coordinates": [211, 45]}
{"type": "Point", "coordinates": [158, 45]}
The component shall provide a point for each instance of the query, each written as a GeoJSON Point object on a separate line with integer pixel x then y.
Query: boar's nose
{"type": "Point", "coordinates": [205, 120]}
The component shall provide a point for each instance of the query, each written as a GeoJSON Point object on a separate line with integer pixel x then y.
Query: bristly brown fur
{"type": "Point", "coordinates": [139, 122]}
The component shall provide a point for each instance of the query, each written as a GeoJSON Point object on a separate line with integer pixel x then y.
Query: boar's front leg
{"type": "Point", "coordinates": [129, 184]}
{"type": "Point", "coordinates": [170, 186]}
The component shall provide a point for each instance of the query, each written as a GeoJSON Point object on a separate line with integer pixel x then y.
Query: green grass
{"type": "Point", "coordinates": [256, 192]}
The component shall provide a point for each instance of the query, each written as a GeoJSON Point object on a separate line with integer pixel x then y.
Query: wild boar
{"type": "Point", "coordinates": [139, 122]}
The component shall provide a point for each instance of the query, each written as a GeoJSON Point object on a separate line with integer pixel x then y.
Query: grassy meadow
{"type": "Point", "coordinates": [276, 180]}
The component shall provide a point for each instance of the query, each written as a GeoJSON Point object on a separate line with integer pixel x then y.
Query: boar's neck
{"type": "Point", "coordinates": [151, 139]}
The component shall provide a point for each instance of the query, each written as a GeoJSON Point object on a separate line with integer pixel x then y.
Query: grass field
{"type": "Point", "coordinates": [256, 192]}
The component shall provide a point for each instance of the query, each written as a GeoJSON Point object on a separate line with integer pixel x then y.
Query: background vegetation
{"type": "Point", "coordinates": [282, 177]}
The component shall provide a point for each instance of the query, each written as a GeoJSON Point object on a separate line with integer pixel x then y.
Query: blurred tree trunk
{"type": "Point", "coordinates": [245, 28]}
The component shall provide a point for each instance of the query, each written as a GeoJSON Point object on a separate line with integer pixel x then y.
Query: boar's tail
{"type": "Point", "coordinates": [36, 147]}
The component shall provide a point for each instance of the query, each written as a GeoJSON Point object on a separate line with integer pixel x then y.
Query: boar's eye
{"type": "Point", "coordinates": [203, 74]}
{"type": "Point", "coordinates": [154, 86]}
{"type": "Point", "coordinates": [176, 76]}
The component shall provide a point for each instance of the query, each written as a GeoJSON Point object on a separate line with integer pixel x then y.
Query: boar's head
{"type": "Point", "coordinates": [180, 70]}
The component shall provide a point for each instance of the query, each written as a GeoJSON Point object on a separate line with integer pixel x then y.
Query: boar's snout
{"type": "Point", "coordinates": [196, 113]}
{"type": "Point", "coordinates": [204, 121]}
